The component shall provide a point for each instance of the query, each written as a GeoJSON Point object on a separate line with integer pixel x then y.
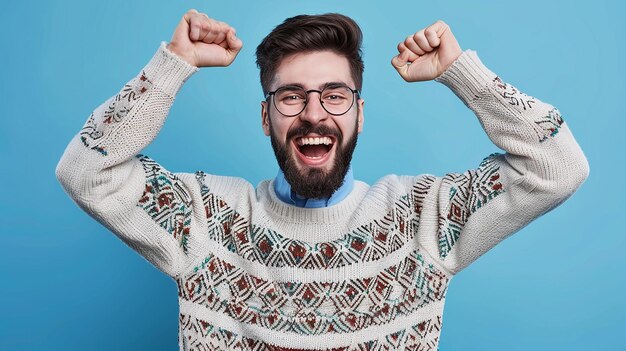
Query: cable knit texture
{"type": "Point", "coordinates": [369, 273]}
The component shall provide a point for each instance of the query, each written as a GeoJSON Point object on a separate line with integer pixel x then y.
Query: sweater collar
{"type": "Point", "coordinates": [286, 195]}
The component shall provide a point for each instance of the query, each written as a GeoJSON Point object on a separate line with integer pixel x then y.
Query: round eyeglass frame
{"type": "Point", "coordinates": [306, 101]}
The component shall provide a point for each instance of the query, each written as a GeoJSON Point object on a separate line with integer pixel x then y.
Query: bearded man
{"type": "Point", "coordinates": [313, 259]}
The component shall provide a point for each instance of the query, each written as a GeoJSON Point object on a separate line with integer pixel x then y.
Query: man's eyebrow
{"type": "Point", "coordinates": [320, 87]}
{"type": "Point", "coordinates": [291, 86]}
{"type": "Point", "coordinates": [333, 85]}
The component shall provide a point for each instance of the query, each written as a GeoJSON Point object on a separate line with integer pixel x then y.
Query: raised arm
{"type": "Point", "coordinates": [148, 207]}
{"type": "Point", "coordinates": [543, 165]}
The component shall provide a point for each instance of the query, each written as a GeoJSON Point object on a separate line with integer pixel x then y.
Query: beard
{"type": "Point", "coordinates": [312, 182]}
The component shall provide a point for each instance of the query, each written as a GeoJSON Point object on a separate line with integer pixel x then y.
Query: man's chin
{"type": "Point", "coordinates": [311, 179]}
{"type": "Point", "coordinates": [309, 174]}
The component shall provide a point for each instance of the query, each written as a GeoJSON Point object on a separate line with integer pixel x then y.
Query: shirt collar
{"type": "Point", "coordinates": [285, 194]}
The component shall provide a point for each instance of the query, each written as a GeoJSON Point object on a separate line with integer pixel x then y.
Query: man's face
{"type": "Point", "coordinates": [312, 168]}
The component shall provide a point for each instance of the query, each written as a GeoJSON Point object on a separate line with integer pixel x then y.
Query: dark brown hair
{"type": "Point", "coordinates": [306, 33]}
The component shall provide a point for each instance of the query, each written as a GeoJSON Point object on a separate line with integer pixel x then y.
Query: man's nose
{"type": "Point", "coordinates": [313, 111]}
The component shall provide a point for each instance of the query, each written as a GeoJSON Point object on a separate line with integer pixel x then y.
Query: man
{"type": "Point", "coordinates": [314, 260]}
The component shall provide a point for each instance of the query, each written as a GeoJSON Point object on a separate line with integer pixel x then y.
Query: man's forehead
{"type": "Point", "coordinates": [313, 70]}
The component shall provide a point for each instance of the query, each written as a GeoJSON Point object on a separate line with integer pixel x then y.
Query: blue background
{"type": "Point", "coordinates": [69, 284]}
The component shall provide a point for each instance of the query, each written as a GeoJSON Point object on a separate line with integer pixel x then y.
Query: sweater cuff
{"type": "Point", "coordinates": [167, 71]}
{"type": "Point", "coordinates": [467, 77]}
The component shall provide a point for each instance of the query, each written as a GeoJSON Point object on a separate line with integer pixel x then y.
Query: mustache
{"type": "Point", "coordinates": [308, 128]}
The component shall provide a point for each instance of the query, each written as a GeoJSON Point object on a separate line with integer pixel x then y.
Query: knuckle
{"type": "Point", "coordinates": [213, 26]}
{"type": "Point", "coordinates": [443, 25]}
{"type": "Point", "coordinates": [420, 38]}
{"type": "Point", "coordinates": [188, 16]}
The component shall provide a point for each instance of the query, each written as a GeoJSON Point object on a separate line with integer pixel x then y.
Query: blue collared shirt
{"type": "Point", "coordinates": [284, 193]}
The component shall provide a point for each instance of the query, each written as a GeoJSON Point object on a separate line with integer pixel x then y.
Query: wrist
{"type": "Point", "coordinates": [176, 50]}
{"type": "Point", "coordinates": [455, 56]}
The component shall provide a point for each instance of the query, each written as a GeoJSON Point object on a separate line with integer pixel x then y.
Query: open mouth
{"type": "Point", "coordinates": [314, 150]}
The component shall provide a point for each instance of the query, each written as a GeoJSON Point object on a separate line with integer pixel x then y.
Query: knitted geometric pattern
{"type": "Point", "coordinates": [421, 336]}
{"type": "Point", "coordinates": [315, 308]}
{"type": "Point", "coordinates": [166, 201]}
{"type": "Point", "coordinates": [377, 239]}
{"type": "Point", "coordinates": [312, 308]}
{"type": "Point", "coordinates": [468, 193]}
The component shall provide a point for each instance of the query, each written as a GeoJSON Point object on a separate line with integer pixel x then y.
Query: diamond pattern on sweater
{"type": "Point", "coordinates": [167, 201]}
{"type": "Point", "coordinates": [315, 308]}
{"type": "Point", "coordinates": [197, 334]}
{"type": "Point", "coordinates": [366, 243]}
{"type": "Point", "coordinates": [469, 191]}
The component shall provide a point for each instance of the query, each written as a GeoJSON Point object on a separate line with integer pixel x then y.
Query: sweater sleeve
{"type": "Point", "coordinates": [146, 206]}
{"type": "Point", "coordinates": [542, 166]}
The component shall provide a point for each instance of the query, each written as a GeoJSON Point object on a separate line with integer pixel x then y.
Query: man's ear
{"type": "Point", "coordinates": [265, 118]}
{"type": "Point", "coordinates": [361, 118]}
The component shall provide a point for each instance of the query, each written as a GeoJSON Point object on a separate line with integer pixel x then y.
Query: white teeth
{"type": "Point", "coordinates": [315, 141]}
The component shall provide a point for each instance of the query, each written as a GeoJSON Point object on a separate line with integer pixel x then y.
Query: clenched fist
{"type": "Point", "coordinates": [426, 54]}
{"type": "Point", "coordinates": [204, 42]}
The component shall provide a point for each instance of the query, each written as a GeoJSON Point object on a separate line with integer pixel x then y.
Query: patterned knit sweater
{"type": "Point", "coordinates": [369, 273]}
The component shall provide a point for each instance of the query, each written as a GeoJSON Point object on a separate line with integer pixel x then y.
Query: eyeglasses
{"type": "Point", "coordinates": [291, 100]}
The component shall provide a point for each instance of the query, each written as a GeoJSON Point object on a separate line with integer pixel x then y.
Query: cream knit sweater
{"type": "Point", "coordinates": [369, 273]}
